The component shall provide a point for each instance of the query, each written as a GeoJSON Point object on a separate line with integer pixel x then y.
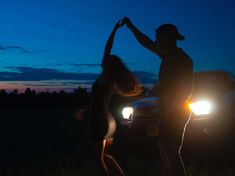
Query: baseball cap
{"type": "Point", "coordinates": [170, 29]}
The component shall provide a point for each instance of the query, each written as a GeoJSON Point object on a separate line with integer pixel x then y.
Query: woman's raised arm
{"type": "Point", "coordinates": [109, 43]}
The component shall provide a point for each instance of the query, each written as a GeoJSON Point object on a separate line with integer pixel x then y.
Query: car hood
{"type": "Point", "coordinates": [145, 102]}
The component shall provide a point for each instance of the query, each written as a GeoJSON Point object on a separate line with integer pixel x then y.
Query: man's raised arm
{"type": "Point", "coordinates": [141, 37]}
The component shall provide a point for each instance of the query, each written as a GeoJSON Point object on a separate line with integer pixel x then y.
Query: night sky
{"type": "Point", "coordinates": [60, 43]}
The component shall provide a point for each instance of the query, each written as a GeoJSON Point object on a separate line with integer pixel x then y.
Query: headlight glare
{"type": "Point", "coordinates": [201, 107]}
{"type": "Point", "coordinates": [127, 112]}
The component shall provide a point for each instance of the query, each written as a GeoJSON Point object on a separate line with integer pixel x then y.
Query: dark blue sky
{"type": "Point", "coordinates": [63, 39]}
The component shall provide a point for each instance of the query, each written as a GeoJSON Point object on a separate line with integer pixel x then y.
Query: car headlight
{"type": "Point", "coordinates": [201, 107]}
{"type": "Point", "coordinates": [127, 112]}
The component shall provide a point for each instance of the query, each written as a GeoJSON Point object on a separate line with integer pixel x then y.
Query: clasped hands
{"type": "Point", "coordinates": [122, 22]}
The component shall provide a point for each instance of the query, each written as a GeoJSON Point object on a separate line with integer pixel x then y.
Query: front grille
{"type": "Point", "coordinates": [146, 112]}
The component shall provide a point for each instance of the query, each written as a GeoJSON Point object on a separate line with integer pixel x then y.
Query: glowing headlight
{"type": "Point", "coordinates": [201, 107]}
{"type": "Point", "coordinates": [127, 112]}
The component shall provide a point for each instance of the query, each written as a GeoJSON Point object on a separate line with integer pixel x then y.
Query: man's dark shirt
{"type": "Point", "coordinates": [175, 78]}
{"type": "Point", "coordinates": [176, 82]}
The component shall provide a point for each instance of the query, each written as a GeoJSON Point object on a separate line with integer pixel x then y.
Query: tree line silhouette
{"type": "Point", "coordinates": [39, 126]}
{"type": "Point", "coordinates": [30, 98]}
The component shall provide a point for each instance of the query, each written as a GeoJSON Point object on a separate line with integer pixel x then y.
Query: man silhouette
{"type": "Point", "coordinates": [175, 87]}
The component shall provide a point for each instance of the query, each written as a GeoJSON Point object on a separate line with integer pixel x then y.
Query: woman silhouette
{"type": "Point", "coordinates": [114, 79]}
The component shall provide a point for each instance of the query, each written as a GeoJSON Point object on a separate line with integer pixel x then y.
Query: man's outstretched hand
{"type": "Point", "coordinates": [119, 24]}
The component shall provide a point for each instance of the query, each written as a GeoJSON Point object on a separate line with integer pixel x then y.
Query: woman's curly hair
{"type": "Point", "coordinates": [121, 76]}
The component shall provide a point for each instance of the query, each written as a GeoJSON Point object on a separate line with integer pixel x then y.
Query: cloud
{"type": "Point", "coordinates": [41, 79]}
{"type": "Point", "coordinates": [38, 74]}
{"type": "Point", "coordinates": [54, 76]}
{"type": "Point", "coordinates": [22, 49]}
{"type": "Point", "coordinates": [55, 64]}
{"type": "Point", "coordinates": [85, 65]}
{"type": "Point", "coordinates": [15, 48]}
{"type": "Point", "coordinates": [53, 83]}
{"type": "Point", "coordinates": [92, 65]}
{"type": "Point", "coordinates": [145, 77]}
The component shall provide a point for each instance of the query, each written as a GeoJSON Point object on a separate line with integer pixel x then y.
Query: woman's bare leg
{"type": "Point", "coordinates": [102, 157]}
{"type": "Point", "coordinates": [114, 163]}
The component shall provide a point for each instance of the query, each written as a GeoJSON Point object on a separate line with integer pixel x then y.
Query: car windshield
{"type": "Point", "coordinates": [217, 82]}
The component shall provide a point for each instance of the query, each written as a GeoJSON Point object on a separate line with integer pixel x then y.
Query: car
{"type": "Point", "coordinates": [211, 129]}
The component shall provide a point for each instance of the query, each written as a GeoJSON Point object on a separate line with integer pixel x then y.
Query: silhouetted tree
{"type": "Point", "coordinates": [14, 92]}
{"type": "Point", "coordinates": [3, 92]}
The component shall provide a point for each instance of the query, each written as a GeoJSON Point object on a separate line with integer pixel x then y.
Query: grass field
{"type": "Point", "coordinates": [82, 164]}
{"type": "Point", "coordinates": [50, 142]}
